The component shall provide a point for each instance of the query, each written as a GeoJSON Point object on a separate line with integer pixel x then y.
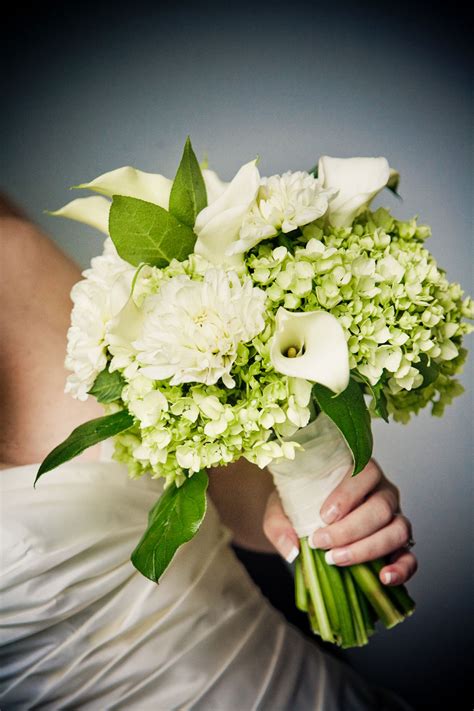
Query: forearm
{"type": "Point", "coordinates": [36, 279]}
{"type": "Point", "coordinates": [240, 492]}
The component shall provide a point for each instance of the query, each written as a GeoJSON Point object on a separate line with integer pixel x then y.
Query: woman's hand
{"type": "Point", "coordinates": [364, 523]}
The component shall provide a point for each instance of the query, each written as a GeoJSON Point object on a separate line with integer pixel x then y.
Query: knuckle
{"type": "Point", "coordinates": [341, 534]}
{"type": "Point", "coordinates": [384, 509]}
{"type": "Point", "coordinates": [402, 530]}
{"type": "Point", "coordinates": [375, 470]}
{"type": "Point", "coordinates": [342, 501]}
{"type": "Point", "coordinates": [396, 494]}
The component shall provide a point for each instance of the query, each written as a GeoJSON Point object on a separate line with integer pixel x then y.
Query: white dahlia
{"type": "Point", "coordinates": [284, 202]}
{"type": "Point", "coordinates": [97, 299]}
{"type": "Point", "coordinates": [191, 329]}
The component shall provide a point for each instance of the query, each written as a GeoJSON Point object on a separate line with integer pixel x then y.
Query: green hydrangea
{"type": "Point", "coordinates": [400, 315]}
{"type": "Point", "coordinates": [388, 293]}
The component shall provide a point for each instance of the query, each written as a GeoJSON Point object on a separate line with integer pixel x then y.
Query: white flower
{"type": "Point", "coordinates": [218, 225]}
{"type": "Point", "coordinates": [121, 332]}
{"type": "Point", "coordinates": [97, 299]}
{"type": "Point", "coordinates": [152, 187]}
{"type": "Point", "coordinates": [92, 211]}
{"type": "Point", "coordinates": [357, 181]}
{"type": "Point", "coordinates": [129, 181]}
{"type": "Point", "coordinates": [191, 329]}
{"type": "Point", "coordinates": [311, 345]}
{"type": "Point", "coordinates": [284, 202]}
{"type": "Point", "coordinates": [148, 409]}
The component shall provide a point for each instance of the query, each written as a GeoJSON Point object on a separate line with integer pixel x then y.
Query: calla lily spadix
{"type": "Point", "coordinates": [311, 345]}
{"type": "Point", "coordinates": [357, 180]}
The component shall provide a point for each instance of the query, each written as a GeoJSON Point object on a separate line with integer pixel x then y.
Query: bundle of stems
{"type": "Point", "coordinates": [344, 603]}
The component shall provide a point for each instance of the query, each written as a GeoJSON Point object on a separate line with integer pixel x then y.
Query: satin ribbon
{"type": "Point", "coordinates": [306, 481]}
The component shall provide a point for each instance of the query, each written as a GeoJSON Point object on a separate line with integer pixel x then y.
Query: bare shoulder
{"type": "Point", "coordinates": [35, 281]}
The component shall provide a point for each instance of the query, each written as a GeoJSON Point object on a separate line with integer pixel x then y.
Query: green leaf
{"type": "Point", "coordinates": [85, 436]}
{"type": "Point", "coordinates": [145, 232]}
{"type": "Point", "coordinates": [349, 413]}
{"type": "Point", "coordinates": [378, 395]}
{"type": "Point", "coordinates": [188, 193]}
{"type": "Point", "coordinates": [108, 386]}
{"type": "Point", "coordinates": [173, 520]}
{"type": "Point", "coordinates": [429, 371]}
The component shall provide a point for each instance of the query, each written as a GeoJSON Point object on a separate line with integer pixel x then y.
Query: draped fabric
{"type": "Point", "coordinates": [81, 628]}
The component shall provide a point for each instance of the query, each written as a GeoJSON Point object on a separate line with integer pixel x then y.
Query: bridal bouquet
{"type": "Point", "coordinates": [269, 318]}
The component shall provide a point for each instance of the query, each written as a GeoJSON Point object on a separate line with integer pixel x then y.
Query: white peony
{"type": "Point", "coordinates": [284, 202]}
{"type": "Point", "coordinates": [191, 329]}
{"type": "Point", "coordinates": [97, 299]}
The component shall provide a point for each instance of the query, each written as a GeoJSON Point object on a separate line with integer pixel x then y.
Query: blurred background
{"type": "Point", "coordinates": [90, 88]}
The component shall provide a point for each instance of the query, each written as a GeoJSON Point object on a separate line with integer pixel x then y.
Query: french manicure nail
{"type": "Point", "coordinates": [333, 557]}
{"type": "Point", "coordinates": [330, 514]}
{"type": "Point", "coordinates": [287, 548]}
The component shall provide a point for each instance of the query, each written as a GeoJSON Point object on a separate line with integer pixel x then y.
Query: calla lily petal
{"type": "Point", "coordinates": [122, 331]}
{"type": "Point", "coordinates": [321, 352]}
{"type": "Point", "coordinates": [93, 211]}
{"type": "Point", "coordinates": [214, 185]}
{"type": "Point", "coordinates": [131, 182]}
{"type": "Point", "coordinates": [218, 225]}
{"type": "Point", "coordinates": [357, 181]}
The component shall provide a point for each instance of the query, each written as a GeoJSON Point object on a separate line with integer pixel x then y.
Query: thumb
{"type": "Point", "coordinates": [278, 529]}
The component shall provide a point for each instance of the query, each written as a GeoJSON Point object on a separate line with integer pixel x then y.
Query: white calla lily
{"type": "Point", "coordinates": [93, 211]}
{"type": "Point", "coordinates": [218, 225]}
{"type": "Point", "coordinates": [122, 331]}
{"type": "Point", "coordinates": [311, 345]}
{"type": "Point", "coordinates": [214, 185]}
{"type": "Point", "coordinates": [357, 181]}
{"type": "Point", "coordinates": [152, 187]}
{"type": "Point", "coordinates": [132, 182]}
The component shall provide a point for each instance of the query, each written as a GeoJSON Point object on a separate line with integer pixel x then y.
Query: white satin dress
{"type": "Point", "coordinates": [82, 629]}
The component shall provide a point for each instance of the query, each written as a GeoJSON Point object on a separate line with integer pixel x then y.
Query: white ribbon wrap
{"type": "Point", "coordinates": [306, 481]}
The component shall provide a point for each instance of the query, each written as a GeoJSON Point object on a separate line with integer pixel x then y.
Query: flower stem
{"type": "Point", "coordinates": [301, 596]}
{"type": "Point", "coordinates": [376, 595]}
{"type": "Point", "coordinates": [368, 613]}
{"type": "Point", "coordinates": [343, 603]}
{"type": "Point", "coordinates": [313, 619]}
{"type": "Point", "coordinates": [359, 626]}
{"type": "Point", "coordinates": [398, 593]}
{"type": "Point", "coordinates": [315, 592]}
{"type": "Point", "coordinates": [346, 626]}
{"type": "Point", "coordinates": [327, 591]}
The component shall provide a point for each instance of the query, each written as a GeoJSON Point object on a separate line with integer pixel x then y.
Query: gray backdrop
{"type": "Point", "coordinates": [98, 88]}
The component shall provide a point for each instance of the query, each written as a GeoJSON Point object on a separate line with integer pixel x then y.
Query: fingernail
{"type": "Point", "coordinates": [320, 539]}
{"type": "Point", "coordinates": [390, 578]}
{"type": "Point", "coordinates": [330, 514]}
{"type": "Point", "coordinates": [287, 548]}
{"type": "Point", "coordinates": [340, 556]}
